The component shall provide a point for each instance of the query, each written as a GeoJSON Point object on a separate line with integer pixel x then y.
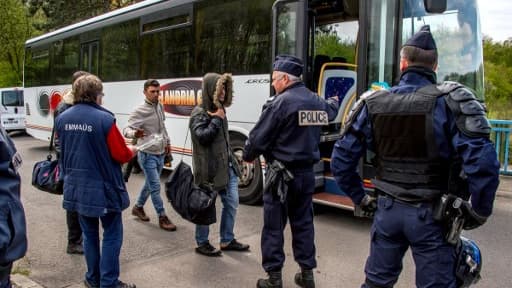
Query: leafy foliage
{"type": "Point", "coordinates": [61, 13]}
{"type": "Point", "coordinates": [498, 78]}
{"type": "Point", "coordinates": [14, 30]}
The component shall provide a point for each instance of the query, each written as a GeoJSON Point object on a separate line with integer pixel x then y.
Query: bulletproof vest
{"type": "Point", "coordinates": [409, 165]}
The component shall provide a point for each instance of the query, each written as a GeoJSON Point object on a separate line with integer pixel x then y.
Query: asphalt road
{"type": "Point", "coordinates": [151, 257]}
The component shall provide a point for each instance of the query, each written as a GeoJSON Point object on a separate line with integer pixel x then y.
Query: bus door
{"type": "Point", "coordinates": [289, 23]}
{"type": "Point", "coordinates": [324, 35]}
{"type": "Point", "coordinates": [13, 109]}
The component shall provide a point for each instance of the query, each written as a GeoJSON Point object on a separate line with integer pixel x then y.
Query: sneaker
{"type": "Point", "coordinates": [234, 246]}
{"type": "Point", "coordinates": [74, 248]}
{"type": "Point", "coordinates": [139, 212]}
{"type": "Point", "coordinates": [89, 285]}
{"type": "Point", "coordinates": [208, 250]}
{"type": "Point", "coordinates": [121, 284]}
{"type": "Point", "coordinates": [166, 224]}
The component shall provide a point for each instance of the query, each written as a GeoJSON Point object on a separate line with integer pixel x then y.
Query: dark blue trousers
{"type": "Point", "coordinates": [102, 268]}
{"type": "Point", "coordinates": [5, 275]}
{"type": "Point", "coordinates": [398, 226]}
{"type": "Point", "coordinates": [298, 207]}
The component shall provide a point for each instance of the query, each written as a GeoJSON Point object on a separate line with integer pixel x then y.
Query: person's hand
{"type": "Point", "coordinates": [219, 113]}
{"type": "Point", "coordinates": [472, 220]}
{"type": "Point", "coordinates": [367, 207]}
{"type": "Point", "coordinates": [139, 133]}
{"type": "Point", "coordinates": [133, 148]}
{"type": "Point", "coordinates": [167, 149]}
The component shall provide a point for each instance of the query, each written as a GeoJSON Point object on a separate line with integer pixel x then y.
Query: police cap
{"type": "Point", "coordinates": [422, 39]}
{"type": "Point", "coordinates": [289, 64]}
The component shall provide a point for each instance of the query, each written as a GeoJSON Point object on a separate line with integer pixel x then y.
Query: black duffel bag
{"type": "Point", "coordinates": [193, 203]}
{"type": "Point", "coordinates": [46, 176]}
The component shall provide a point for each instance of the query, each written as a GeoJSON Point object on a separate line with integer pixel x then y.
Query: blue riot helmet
{"type": "Point", "coordinates": [469, 263]}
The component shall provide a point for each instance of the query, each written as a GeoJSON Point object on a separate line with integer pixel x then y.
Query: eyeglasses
{"type": "Point", "coordinates": [277, 78]}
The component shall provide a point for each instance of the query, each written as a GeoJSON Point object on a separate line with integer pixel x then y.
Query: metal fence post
{"type": "Point", "coordinates": [502, 131]}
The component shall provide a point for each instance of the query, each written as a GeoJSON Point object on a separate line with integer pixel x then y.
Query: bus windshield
{"type": "Point", "coordinates": [458, 39]}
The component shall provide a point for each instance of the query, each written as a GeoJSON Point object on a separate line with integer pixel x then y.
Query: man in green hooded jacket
{"type": "Point", "coordinates": [213, 161]}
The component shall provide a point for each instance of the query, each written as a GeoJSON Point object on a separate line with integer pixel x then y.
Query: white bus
{"type": "Point", "coordinates": [12, 111]}
{"type": "Point", "coordinates": [346, 46]}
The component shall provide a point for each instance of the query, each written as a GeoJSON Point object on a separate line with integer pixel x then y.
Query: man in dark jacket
{"type": "Point", "coordinates": [288, 132]}
{"type": "Point", "coordinates": [13, 238]}
{"type": "Point", "coordinates": [213, 161]}
{"type": "Point", "coordinates": [419, 131]}
{"type": "Point", "coordinates": [74, 230]}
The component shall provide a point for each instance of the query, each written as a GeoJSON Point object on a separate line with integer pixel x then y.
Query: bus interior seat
{"type": "Point", "coordinates": [338, 81]}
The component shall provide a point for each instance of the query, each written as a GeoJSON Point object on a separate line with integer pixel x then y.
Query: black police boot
{"type": "Point", "coordinates": [305, 279]}
{"type": "Point", "coordinates": [274, 281]}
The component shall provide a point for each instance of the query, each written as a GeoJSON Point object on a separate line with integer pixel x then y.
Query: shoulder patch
{"type": "Point", "coordinates": [313, 118]}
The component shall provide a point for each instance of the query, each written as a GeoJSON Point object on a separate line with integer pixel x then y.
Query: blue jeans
{"type": "Point", "coordinates": [229, 198]}
{"type": "Point", "coordinates": [152, 166]}
{"type": "Point", "coordinates": [102, 268]}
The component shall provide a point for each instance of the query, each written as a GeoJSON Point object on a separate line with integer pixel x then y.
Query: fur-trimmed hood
{"type": "Point", "coordinates": [212, 85]}
{"type": "Point", "coordinates": [68, 97]}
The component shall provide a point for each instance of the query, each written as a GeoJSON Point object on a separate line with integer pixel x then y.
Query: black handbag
{"type": "Point", "coordinates": [194, 203]}
{"type": "Point", "coordinates": [46, 174]}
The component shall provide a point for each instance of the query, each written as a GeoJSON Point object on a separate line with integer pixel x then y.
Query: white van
{"type": "Point", "coordinates": [12, 108]}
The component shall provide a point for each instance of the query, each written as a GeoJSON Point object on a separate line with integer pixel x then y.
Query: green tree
{"type": "Point", "coordinates": [61, 13]}
{"type": "Point", "coordinates": [15, 28]}
{"type": "Point", "coordinates": [329, 43]}
{"type": "Point", "coordinates": [498, 78]}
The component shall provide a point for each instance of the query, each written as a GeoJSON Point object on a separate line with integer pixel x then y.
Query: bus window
{"type": "Point", "coordinates": [286, 30]}
{"type": "Point", "coordinates": [64, 59]}
{"type": "Point", "coordinates": [458, 40]}
{"type": "Point", "coordinates": [89, 54]}
{"type": "Point", "coordinates": [382, 46]}
{"type": "Point", "coordinates": [37, 67]}
{"type": "Point", "coordinates": [232, 36]}
{"type": "Point", "coordinates": [119, 52]}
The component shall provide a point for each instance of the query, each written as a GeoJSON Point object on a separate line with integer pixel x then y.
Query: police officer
{"type": "Point", "coordinates": [13, 237]}
{"type": "Point", "coordinates": [419, 131]}
{"type": "Point", "coordinates": [288, 131]}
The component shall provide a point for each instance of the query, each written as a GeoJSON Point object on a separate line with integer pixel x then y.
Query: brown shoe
{"type": "Point", "coordinates": [139, 212]}
{"type": "Point", "coordinates": [166, 224]}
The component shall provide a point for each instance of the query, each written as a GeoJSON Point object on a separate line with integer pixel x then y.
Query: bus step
{"type": "Point", "coordinates": [333, 200]}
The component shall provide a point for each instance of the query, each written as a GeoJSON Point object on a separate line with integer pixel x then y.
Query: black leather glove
{"type": "Point", "coordinates": [367, 207]}
{"type": "Point", "coordinates": [472, 219]}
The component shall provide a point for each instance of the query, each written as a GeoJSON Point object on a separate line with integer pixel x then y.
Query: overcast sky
{"type": "Point", "coordinates": [496, 18]}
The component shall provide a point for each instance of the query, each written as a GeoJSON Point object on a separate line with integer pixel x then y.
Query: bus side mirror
{"type": "Point", "coordinates": [435, 6]}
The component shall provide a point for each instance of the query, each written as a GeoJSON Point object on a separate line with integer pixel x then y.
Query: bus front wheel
{"type": "Point", "coordinates": [250, 184]}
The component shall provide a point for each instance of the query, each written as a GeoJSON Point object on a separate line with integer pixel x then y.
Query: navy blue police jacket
{"type": "Point", "coordinates": [13, 237]}
{"type": "Point", "coordinates": [478, 154]}
{"type": "Point", "coordinates": [93, 181]}
{"type": "Point", "coordinates": [282, 134]}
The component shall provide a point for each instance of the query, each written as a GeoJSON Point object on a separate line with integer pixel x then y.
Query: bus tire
{"type": "Point", "coordinates": [250, 184]}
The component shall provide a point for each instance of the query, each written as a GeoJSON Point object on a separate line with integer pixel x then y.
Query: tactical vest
{"type": "Point", "coordinates": [409, 166]}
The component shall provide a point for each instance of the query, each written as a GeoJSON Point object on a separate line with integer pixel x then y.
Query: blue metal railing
{"type": "Point", "coordinates": [501, 131]}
